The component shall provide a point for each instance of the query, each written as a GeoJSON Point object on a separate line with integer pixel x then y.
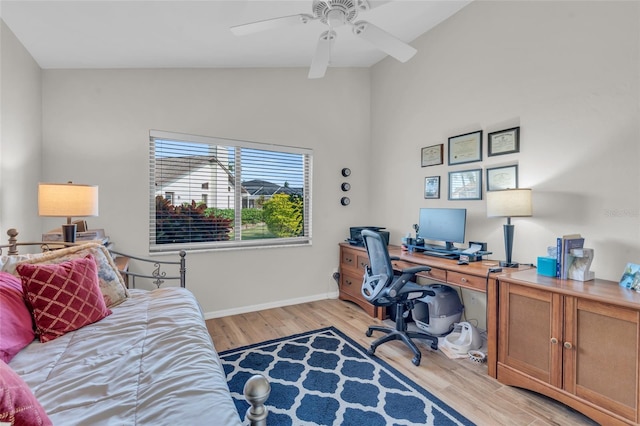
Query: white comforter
{"type": "Point", "coordinates": [151, 362]}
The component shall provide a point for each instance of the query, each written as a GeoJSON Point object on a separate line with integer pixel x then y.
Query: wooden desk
{"type": "Point", "coordinates": [474, 276]}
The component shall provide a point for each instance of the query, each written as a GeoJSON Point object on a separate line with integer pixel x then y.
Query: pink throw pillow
{"type": "Point", "coordinates": [18, 405]}
{"type": "Point", "coordinates": [16, 324]}
{"type": "Point", "coordinates": [64, 296]}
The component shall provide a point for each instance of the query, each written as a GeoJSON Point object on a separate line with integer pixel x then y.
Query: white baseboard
{"type": "Point", "coordinates": [263, 306]}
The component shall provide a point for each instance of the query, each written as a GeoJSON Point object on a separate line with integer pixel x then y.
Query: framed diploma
{"type": "Point", "coordinates": [432, 187]}
{"type": "Point", "coordinates": [432, 155]}
{"type": "Point", "coordinates": [465, 185]}
{"type": "Point", "coordinates": [502, 178]}
{"type": "Point", "coordinates": [504, 142]}
{"type": "Point", "coordinates": [465, 148]}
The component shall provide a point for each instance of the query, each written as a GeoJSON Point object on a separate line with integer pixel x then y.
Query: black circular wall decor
{"type": "Point", "coordinates": [345, 201]}
{"type": "Point", "coordinates": [345, 186]}
{"type": "Point", "coordinates": [346, 172]}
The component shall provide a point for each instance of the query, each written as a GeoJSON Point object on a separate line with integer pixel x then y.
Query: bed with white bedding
{"type": "Point", "coordinates": [150, 361]}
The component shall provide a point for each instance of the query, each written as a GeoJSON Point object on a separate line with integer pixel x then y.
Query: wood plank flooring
{"type": "Point", "coordinates": [462, 384]}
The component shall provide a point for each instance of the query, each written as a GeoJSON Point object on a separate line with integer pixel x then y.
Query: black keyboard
{"type": "Point", "coordinates": [444, 254]}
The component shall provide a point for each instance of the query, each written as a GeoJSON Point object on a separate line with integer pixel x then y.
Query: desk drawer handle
{"type": "Point", "coordinates": [568, 345]}
{"type": "Point", "coordinates": [463, 279]}
{"type": "Point", "coordinates": [348, 282]}
{"type": "Point", "coordinates": [554, 340]}
{"type": "Point", "coordinates": [348, 260]}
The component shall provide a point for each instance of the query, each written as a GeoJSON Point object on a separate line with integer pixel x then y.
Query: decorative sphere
{"type": "Point", "coordinates": [257, 387]}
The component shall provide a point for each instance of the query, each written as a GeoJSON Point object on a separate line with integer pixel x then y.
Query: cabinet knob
{"type": "Point", "coordinates": [463, 279]}
{"type": "Point", "coordinates": [554, 340]}
{"type": "Point", "coordinates": [568, 345]}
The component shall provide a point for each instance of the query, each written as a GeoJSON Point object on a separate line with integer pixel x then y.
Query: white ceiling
{"type": "Point", "coordinates": [195, 34]}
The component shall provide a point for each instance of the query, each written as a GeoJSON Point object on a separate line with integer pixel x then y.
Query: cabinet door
{"type": "Point", "coordinates": [531, 331]}
{"type": "Point", "coordinates": [601, 355]}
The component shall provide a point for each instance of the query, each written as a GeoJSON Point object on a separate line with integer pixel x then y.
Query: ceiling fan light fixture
{"type": "Point", "coordinates": [336, 18]}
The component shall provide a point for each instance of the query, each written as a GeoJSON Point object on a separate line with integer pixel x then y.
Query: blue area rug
{"type": "Point", "coordinates": [325, 378]}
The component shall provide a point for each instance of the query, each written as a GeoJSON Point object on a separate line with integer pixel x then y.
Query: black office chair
{"type": "Point", "coordinates": [383, 287]}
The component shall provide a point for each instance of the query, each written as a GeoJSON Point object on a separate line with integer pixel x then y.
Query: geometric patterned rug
{"type": "Point", "coordinates": [323, 377]}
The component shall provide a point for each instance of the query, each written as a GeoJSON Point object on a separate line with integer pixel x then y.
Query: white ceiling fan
{"type": "Point", "coordinates": [335, 13]}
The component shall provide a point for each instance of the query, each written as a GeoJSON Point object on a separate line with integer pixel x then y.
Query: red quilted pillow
{"type": "Point", "coordinates": [64, 296]}
{"type": "Point", "coordinates": [16, 325]}
{"type": "Point", "coordinates": [18, 406]}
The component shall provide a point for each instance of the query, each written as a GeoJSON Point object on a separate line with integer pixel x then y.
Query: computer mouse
{"type": "Point", "coordinates": [462, 262]}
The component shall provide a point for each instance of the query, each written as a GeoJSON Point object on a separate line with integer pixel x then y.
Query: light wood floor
{"type": "Point", "coordinates": [462, 384]}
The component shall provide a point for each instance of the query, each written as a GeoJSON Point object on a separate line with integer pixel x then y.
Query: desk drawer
{"type": "Point", "coordinates": [349, 258]}
{"type": "Point", "coordinates": [434, 274]}
{"type": "Point", "coordinates": [351, 284]}
{"type": "Point", "coordinates": [468, 281]}
{"type": "Point", "coordinates": [350, 289]}
{"type": "Point", "coordinates": [363, 261]}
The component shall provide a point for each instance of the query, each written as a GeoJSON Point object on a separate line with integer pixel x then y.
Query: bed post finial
{"type": "Point", "coordinates": [256, 391]}
{"type": "Point", "coordinates": [13, 241]}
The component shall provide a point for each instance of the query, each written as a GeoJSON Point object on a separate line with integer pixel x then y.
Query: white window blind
{"type": "Point", "coordinates": [213, 193]}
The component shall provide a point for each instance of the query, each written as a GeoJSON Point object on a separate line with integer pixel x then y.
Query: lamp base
{"type": "Point", "coordinates": [69, 233]}
{"type": "Point", "coordinates": [505, 264]}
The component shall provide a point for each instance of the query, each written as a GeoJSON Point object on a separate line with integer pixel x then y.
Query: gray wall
{"type": "Point", "coordinates": [568, 74]}
{"type": "Point", "coordinates": [98, 121]}
{"type": "Point", "coordinates": [20, 137]}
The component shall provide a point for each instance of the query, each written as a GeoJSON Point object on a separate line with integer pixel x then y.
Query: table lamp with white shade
{"type": "Point", "coordinates": [509, 203]}
{"type": "Point", "coordinates": [67, 200]}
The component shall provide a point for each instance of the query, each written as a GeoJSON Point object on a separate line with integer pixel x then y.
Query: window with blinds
{"type": "Point", "coordinates": [212, 193]}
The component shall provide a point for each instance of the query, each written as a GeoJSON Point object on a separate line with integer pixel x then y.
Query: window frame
{"type": "Point", "coordinates": [237, 145]}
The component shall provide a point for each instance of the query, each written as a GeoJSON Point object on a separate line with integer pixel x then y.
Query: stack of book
{"type": "Point", "coordinates": [564, 258]}
{"type": "Point", "coordinates": [55, 235]}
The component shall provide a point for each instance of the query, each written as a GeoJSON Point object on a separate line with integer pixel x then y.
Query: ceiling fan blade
{"type": "Point", "coordinates": [384, 41]}
{"type": "Point", "coordinates": [365, 5]}
{"type": "Point", "coordinates": [323, 54]}
{"type": "Point", "coordinates": [270, 24]}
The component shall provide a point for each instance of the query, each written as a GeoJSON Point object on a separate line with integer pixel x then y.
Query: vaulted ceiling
{"type": "Point", "coordinates": [196, 34]}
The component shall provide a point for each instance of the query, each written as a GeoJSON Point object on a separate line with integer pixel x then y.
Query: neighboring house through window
{"type": "Point", "coordinates": [211, 193]}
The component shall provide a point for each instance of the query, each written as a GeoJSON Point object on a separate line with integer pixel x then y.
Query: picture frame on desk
{"type": "Point", "coordinates": [432, 155]}
{"type": "Point", "coordinates": [465, 148]}
{"type": "Point", "coordinates": [504, 177]}
{"type": "Point", "coordinates": [432, 187]}
{"type": "Point", "coordinates": [504, 142]}
{"type": "Point", "coordinates": [465, 185]}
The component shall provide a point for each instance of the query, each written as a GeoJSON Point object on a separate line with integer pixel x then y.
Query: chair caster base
{"type": "Point", "coordinates": [416, 361]}
{"type": "Point", "coordinates": [369, 333]}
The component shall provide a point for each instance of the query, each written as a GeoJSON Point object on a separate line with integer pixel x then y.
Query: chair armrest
{"type": "Point", "coordinates": [415, 269]}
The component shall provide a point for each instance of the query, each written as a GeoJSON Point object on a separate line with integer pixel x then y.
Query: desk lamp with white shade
{"type": "Point", "coordinates": [67, 200]}
{"type": "Point", "coordinates": [509, 203]}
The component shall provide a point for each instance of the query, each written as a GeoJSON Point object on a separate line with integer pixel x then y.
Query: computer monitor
{"type": "Point", "coordinates": [440, 224]}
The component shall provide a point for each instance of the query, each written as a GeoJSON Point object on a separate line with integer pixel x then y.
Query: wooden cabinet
{"type": "Point", "coordinates": [352, 265]}
{"type": "Point", "coordinates": [575, 342]}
